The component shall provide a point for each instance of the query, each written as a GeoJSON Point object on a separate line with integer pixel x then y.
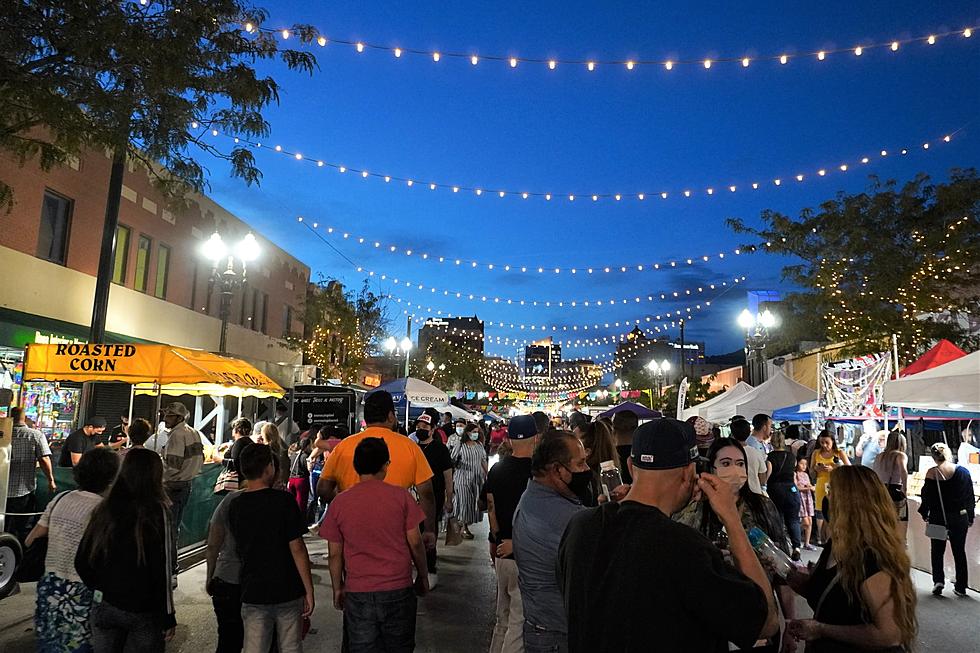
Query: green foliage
{"type": "Point", "coordinates": [113, 74]}
{"type": "Point", "coordinates": [342, 328]}
{"type": "Point", "coordinates": [895, 260]}
{"type": "Point", "coordinates": [463, 366]}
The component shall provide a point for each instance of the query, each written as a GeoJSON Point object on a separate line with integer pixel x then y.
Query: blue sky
{"type": "Point", "coordinates": [612, 130]}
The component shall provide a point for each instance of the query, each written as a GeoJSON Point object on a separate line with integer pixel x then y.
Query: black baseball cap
{"type": "Point", "coordinates": [522, 427]}
{"type": "Point", "coordinates": [664, 443]}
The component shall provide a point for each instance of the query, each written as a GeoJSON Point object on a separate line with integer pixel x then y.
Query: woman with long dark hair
{"type": "Point", "coordinates": [892, 467]}
{"type": "Point", "coordinates": [826, 457]}
{"type": "Point", "coordinates": [860, 590]}
{"type": "Point", "coordinates": [125, 556]}
{"type": "Point", "coordinates": [599, 447]}
{"type": "Point", "coordinates": [470, 460]}
{"type": "Point", "coordinates": [727, 460]}
{"type": "Point", "coordinates": [783, 490]}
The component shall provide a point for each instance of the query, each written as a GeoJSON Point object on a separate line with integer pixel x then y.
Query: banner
{"type": "Point", "coordinates": [681, 396]}
{"type": "Point", "coordinates": [853, 388]}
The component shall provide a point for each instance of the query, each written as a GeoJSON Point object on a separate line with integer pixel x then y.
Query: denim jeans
{"type": "Point", "coordinates": [538, 639]}
{"type": "Point", "coordinates": [284, 620]}
{"type": "Point", "coordinates": [119, 631]}
{"type": "Point", "coordinates": [179, 493]}
{"type": "Point", "coordinates": [957, 544]}
{"type": "Point", "coordinates": [380, 621]}
{"type": "Point", "coordinates": [227, 601]}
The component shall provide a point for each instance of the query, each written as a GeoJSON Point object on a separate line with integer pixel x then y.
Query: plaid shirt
{"type": "Point", "coordinates": [28, 446]}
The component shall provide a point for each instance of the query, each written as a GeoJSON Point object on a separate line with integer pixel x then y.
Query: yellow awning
{"type": "Point", "coordinates": [203, 390]}
{"type": "Point", "coordinates": [163, 365]}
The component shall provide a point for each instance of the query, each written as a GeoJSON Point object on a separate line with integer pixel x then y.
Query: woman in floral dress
{"type": "Point", "coordinates": [61, 620]}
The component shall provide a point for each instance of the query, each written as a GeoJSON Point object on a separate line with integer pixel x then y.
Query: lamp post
{"type": "Point", "coordinates": [659, 372]}
{"type": "Point", "coordinates": [431, 367]}
{"type": "Point", "coordinates": [228, 280]}
{"type": "Point", "coordinates": [757, 331]}
{"type": "Point", "coordinates": [396, 348]}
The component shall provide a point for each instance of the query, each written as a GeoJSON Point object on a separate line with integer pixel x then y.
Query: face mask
{"type": "Point", "coordinates": [474, 436]}
{"type": "Point", "coordinates": [733, 475]}
{"type": "Point", "coordinates": [459, 430]}
{"type": "Point", "coordinates": [581, 483]}
{"type": "Point", "coordinates": [423, 434]}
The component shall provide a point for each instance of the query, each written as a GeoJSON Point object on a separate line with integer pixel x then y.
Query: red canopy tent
{"type": "Point", "coordinates": [942, 352]}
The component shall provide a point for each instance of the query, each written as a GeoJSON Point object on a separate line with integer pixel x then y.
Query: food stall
{"type": "Point", "coordinates": [159, 370]}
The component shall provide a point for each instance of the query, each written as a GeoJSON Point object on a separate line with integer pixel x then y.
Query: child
{"type": "Point", "coordinates": [374, 536]}
{"type": "Point", "coordinates": [805, 487]}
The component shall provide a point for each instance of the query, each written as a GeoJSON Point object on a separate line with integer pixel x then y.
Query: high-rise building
{"type": "Point", "coordinates": [542, 358]}
{"type": "Point", "coordinates": [464, 334]}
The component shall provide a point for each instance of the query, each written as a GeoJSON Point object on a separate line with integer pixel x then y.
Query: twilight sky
{"type": "Point", "coordinates": [613, 130]}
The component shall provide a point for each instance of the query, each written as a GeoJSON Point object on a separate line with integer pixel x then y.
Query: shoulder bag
{"type": "Point", "coordinates": [31, 566]}
{"type": "Point", "coordinates": [939, 531]}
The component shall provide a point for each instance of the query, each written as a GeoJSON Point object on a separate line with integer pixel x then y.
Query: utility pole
{"type": "Point", "coordinates": [408, 352]}
{"type": "Point", "coordinates": [683, 352]}
{"type": "Point", "coordinates": [103, 282]}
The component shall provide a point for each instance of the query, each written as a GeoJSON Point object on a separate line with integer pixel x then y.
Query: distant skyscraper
{"type": "Point", "coordinates": [542, 358]}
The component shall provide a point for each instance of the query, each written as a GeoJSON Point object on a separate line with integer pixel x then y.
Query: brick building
{"type": "Point", "coordinates": [50, 242]}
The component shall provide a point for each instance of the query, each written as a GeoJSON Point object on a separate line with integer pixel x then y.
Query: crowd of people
{"type": "Point", "coordinates": [695, 524]}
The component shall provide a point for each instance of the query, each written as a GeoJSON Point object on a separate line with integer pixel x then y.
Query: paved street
{"type": "Point", "coordinates": [458, 615]}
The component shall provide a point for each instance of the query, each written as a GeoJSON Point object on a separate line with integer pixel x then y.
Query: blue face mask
{"type": "Point", "coordinates": [474, 436]}
{"type": "Point", "coordinates": [459, 430]}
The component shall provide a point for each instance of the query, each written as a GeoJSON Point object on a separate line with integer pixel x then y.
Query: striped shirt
{"type": "Point", "coordinates": [28, 446]}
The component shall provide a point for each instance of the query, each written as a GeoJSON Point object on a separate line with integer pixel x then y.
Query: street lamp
{"type": "Point", "coordinates": [659, 372]}
{"type": "Point", "coordinates": [396, 347]}
{"type": "Point", "coordinates": [228, 280]}
{"type": "Point", "coordinates": [757, 331]}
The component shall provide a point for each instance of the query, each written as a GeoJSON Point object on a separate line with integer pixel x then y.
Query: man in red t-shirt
{"type": "Point", "coordinates": [373, 531]}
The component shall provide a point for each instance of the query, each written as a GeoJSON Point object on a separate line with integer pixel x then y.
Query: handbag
{"type": "Point", "coordinates": [31, 566]}
{"type": "Point", "coordinates": [939, 531]}
{"type": "Point", "coordinates": [454, 532]}
{"type": "Point", "coordinates": [227, 481]}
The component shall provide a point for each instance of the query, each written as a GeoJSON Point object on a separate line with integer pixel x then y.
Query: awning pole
{"type": "Point", "coordinates": [239, 406]}
{"type": "Point", "coordinates": [132, 394]}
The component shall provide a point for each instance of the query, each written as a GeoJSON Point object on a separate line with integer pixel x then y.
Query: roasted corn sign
{"type": "Point", "coordinates": [158, 364]}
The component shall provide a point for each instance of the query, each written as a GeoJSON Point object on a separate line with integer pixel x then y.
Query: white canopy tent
{"type": "Point", "coordinates": [952, 386]}
{"type": "Point", "coordinates": [777, 392]}
{"type": "Point", "coordinates": [735, 391]}
{"type": "Point", "coordinates": [458, 413]}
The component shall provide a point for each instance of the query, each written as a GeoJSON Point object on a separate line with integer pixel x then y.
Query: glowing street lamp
{"type": "Point", "coordinates": [757, 333]}
{"type": "Point", "coordinates": [227, 281]}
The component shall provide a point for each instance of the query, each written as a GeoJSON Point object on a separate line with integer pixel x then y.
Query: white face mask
{"type": "Point", "coordinates": [733, 475]}
{"type": "Point", "coordinates": [459, 430]}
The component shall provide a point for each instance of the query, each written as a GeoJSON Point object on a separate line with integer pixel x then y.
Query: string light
{"type": "Point", "coordinates": [592, 64]}
{"type": "Point", "coordinates": [507, 267]}
{"type": "Point", "coordinates": [487, 189]}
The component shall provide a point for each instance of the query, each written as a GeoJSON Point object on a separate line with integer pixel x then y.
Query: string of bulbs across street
{"type": "Point", "coordinates": [513, 60]}
{"type": "Point", "coordinates": [450, 334]}
{"type": "Point", "coordinates": [815, 172]}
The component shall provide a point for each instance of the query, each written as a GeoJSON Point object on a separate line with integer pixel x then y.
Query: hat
{"type": "Point", "coordinates": [521, 427]}
{"type": "Point", "coordinates": [424, 418]}
{"type": "Point", "coordinates": [664, 443]}
{"type": "Point", "coordinates": [176, 408]}
{"type": "Point", "coordinates": [97, 422]}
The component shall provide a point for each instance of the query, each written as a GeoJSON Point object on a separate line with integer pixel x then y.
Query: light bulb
{"type": "Point", "coordinates": [858, 51]}
{"type": "Point", "coordinates": [591, 66]}
{"type": "Point", "coordinates": [894, 46]}
{"type": "Point", "coordinates": [321, 41]}
{"type": "Point", "coordinates": [552, 64]}
{"type": "Point", "coordinates": [398, 52]}
{"type": "Point", "coordinates": [821, 172]}
{"type": "Point", "coordinates": [364, 173]}
{"type": "Point", "coordinates": [629, 65]}
{"type": "Point", "coordinates": [821, 55]}
{"type": "Point", "coordinates": [968, 32]}
{"type": "Point", "coordinates": [783, 59]}
{"type": "Point", "coordinates": [474, 59]}
{"type": "Point", "coordinates": [668, 65]}
{"type": "Point", "coordinates": [360, 47]}
{"type": "Point", "coordinates": [745, 62]}
{"type": "Point", "coordinates": [513, 62]}
{"type": "Point", "coordinates": [707, 63]}
{"type": "Point", "coordinates": [931, 40]}
{"type": "Point", "coordinates": [285, 34]}
{"type": "Point", "coordinates": [436, 56]}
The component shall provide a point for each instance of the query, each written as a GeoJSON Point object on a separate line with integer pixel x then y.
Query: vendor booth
{"type": "Point", "coordinates": [700, 410]}
{"type": "Point", "coordinates": [775, 393]}
{"type": "Point", "coordinates": [156, 369]}
{"type": "Point", "coordinates": [641, 411]}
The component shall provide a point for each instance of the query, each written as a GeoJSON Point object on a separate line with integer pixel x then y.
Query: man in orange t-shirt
{"type": "Point", "coordinates": [408, 467]}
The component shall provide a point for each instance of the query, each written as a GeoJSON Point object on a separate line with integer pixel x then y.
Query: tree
{"type": "Point", "coordinates": [893, 260]}
{"type": "Point", "coordinates": [342, 328]}
{"type": "Point", "coordinates": [454, 366]}
{"type": "Point", "coordinates": [145, 81]}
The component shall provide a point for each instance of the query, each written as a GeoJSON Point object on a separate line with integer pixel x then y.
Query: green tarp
{"type": "Point", "coordinates": [197, 514]}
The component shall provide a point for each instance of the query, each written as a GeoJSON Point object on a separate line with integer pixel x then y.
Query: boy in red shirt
{"type": "Point", "coordinates": [373, 531]}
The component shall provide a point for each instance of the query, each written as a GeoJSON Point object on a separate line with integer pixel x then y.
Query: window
{"type": "Point", "coordinates": [263, 315]}
{"type": "Point", "coordinates": [142, 263]}
{"type": "Point", "coordinates": [52, 237]}
{"type": "Point", "coordinates": [121, 255]}
{"type": "Point", "coordinates": [163, 272]}
{"type": "Point", "coordinates": [287, 320]}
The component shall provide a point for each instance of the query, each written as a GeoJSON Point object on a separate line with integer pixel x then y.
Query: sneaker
{"type": "Point", "coordinates": [433, 581]}
{"type": "Point", "coordinates": [809, 547]}
{"type": "Point", "coordinates": [937, 589]}
{"type": "Point", "coordinates": [959, 592]}
{"type": "Point", "coordinates": [796, 555]}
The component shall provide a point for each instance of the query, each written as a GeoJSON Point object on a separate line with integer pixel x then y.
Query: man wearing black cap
{"type": "Point", "coordinates": [634, 580]}
{"type": "Point", "coordinates": [505, 484]}
{"type": "Point", "coordinates": [81, 440]}
{"type": "Point", "coordinates": [441, 464]}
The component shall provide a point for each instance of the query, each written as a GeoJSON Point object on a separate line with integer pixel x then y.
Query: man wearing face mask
{"type": "Point", "coordinates": [664, 575]}
{"type": "Point", "coordinates": [541, 517]}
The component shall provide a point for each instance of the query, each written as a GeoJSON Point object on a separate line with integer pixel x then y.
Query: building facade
{"type": "Point", "coordinates": [542, 359]}
{"type": "Point", "coordinates": [161, 290]}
